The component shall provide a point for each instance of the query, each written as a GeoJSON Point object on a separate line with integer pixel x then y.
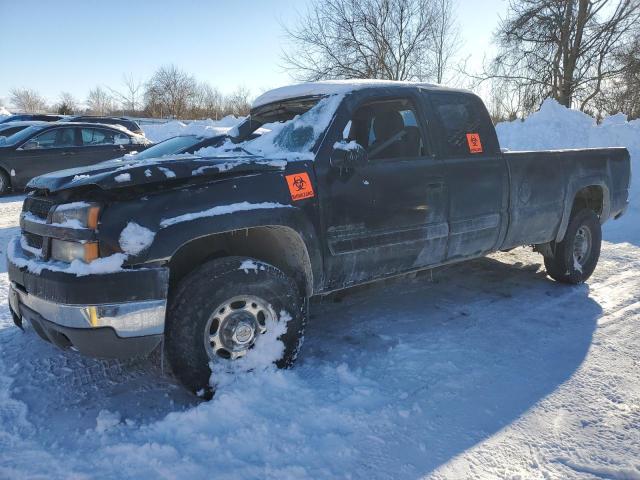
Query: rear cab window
{"type": "Point", "coordinates": [466, 128]}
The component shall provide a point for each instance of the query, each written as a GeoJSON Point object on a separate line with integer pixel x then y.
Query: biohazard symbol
{"type": "Point", "coordinates": [299, 183]}
{"type": "Point", "coordinates": [300, 186]}
{"type": "Point", "coordinates": [475, 145]}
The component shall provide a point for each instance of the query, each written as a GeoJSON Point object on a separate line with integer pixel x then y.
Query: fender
{"type": "Point", "coordinates": [170, 239]}
{"type": "Point", "coordinates": [577, 184]}
{"type": "Point", "coordinates": [177, 217]}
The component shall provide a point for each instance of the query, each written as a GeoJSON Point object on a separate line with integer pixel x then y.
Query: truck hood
{"type": "Point", "coordinates": [126, 172]}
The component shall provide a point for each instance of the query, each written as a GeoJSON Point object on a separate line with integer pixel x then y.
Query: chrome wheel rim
{"type": "Point", "coordinates": [582, 245]}
{"type": "Point", "coordinates": [233, 327]}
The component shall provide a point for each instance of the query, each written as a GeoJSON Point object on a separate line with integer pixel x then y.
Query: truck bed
{"type": "Point", "coordinates": [544, 183]}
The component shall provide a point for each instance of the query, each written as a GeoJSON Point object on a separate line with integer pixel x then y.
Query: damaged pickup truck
{"type": "Point", "coordinates": [348, 182]}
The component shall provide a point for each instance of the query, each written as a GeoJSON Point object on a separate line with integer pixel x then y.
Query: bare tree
{"type": "Point", "coordinates": [207, 102]}
{"type": "Point", "coordinates": [445, 38]}
{"type": "Point", "coordinates": [237, 103]}
{"type": "Point", "coordinates": [562, 48]}
{"type": "Point", "coordinates": [100, 102]}
{"type": "Point", "coordinates": [67, 104]}
{"type": "Point", "coordinates": [169, 92]}
{"type": "Point", "coordinates": [130, 95]}
{"type": "Point", "coordinates": [384, 39]}
{"type": "Point", "coordinates": [622, 94]}
{"type": "Point", "coordinates": [27, 100]}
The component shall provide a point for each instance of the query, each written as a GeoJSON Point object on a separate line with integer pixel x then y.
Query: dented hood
{"type": "Point", "coordinates": [126, 172]}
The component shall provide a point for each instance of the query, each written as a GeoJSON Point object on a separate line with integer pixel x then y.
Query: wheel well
{"type": "Point", "coordinates": [591, 197]}
{"type": "Point", "coordinates": [277, 245]}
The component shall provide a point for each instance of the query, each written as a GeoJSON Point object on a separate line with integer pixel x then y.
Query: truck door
{"type": "Point", "coordinates": [476, 174]}
{"type": "Point", "coordinates": [387, 214]}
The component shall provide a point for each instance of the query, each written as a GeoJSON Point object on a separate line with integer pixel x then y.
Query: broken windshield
{"type": "Point", "coordinates": [287, 129]}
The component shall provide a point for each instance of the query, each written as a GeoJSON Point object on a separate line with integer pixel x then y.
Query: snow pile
{"type": "Point", "coordinates": [555, 126]}
{"type": "Point", "coordinates": [123, 177]}
{"type": "Point", "coordinates": [4, 112]}
{"type": "Point", "coordinates": [135, 238]}
{"type": "Point", "coordinates": [106, 420]}
{"type": "Point", "coordinates": [204, 128]}
{"type": "Point", "coordinates": [267, 350]}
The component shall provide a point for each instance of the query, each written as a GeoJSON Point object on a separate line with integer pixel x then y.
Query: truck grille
{"type": "Point", "coordinates": [34, 241]}
{"type": "Point", "coordinates": [37, 206]}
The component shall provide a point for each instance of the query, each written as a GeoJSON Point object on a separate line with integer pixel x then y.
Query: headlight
{"type": "Point", "coordinates": [77, 215]}
{"type": "Point", "coordinates": [70, 251]}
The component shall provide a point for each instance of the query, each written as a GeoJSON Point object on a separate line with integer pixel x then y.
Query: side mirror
{"type": "Point", "coordinates": [348, 155]}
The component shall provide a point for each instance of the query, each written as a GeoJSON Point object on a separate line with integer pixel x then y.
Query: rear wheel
{"type": "Point", "coordinates": [574, 259]}
{"type": "Point", "coordinates": [224, 309]}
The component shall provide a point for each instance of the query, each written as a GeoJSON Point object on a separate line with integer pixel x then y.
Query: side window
{"type": "Point", "coordinates": [387, 130]}
{"type": "Point", "coordinates": [121, 139]}
{"type": "Point", "coordinates": [97, 136]}
{"type": "Point", "coordinates": [466, 126]}
{"type": "Point", "coordinates": [56, 138]}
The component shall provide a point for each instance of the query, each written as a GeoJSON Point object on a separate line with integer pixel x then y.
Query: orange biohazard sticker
{"type": "Point", "coordinates": [300, 186]}
{"type": "Point", "coordinates": [475, 145]}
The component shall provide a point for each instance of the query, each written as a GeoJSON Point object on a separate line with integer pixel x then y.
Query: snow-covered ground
{"type": "Point", "coordinates": [486, 369]}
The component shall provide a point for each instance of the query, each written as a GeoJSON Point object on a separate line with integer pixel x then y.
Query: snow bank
{"type": "Point", "coordinates": [206, 128]}
{"type": "Point", "coordinates": [4, 112]}
{"type": "Point", "coordinates": [555, 126]}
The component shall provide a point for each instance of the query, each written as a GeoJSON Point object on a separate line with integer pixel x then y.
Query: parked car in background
{"type": "Point", "coordinates": [41, 117]}
{"type": "Point", "coordinates": [49, 147]}
{"type": "Point", "coordinates": [127, 123]}
{"type": "Point", "coordinates": [9, 128]}
{"type": "Point", "coordinates": [178, 145]}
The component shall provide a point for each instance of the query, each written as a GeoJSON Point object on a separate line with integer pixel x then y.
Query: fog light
{"type": "Point", "coordinates": [69, 251]}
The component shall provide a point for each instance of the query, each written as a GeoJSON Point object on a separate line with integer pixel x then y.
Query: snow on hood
{"type": "Point", "coordinates": [123, 172]}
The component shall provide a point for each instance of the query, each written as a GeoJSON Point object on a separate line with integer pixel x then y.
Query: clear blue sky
{"type": "Point", "coordinates": [71, 45]}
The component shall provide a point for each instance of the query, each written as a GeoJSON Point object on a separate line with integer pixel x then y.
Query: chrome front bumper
{"type": "Point", "coordinates": [127, 319]}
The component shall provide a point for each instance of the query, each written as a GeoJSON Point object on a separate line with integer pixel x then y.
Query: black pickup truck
{"type": "Point", "coordinates": [348, 182]}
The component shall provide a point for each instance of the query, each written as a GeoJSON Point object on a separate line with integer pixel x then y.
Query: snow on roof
{"type": "Point", "coordinates": [24, 123]}
{"type": "Point", "coordinates": [331, 87]}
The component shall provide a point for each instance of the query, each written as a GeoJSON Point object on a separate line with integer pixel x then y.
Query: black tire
{"type": "Point", "coordinates": [5, 183]}
{"type": "Point", "coordinates": [203, 291]}
{"type": "Point", "coordinates": [563, 266]}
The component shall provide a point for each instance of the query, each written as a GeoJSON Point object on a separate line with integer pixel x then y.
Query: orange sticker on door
{"type": "Point", "coordinates": [300, 186]}
{"type": "Point", "coordinates": [475, 145]}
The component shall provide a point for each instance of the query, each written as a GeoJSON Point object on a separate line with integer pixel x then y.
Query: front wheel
{"type": "Point", "coordinates": [232, 309]}
{"type": "Point", "coordinates": [574, 259]}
